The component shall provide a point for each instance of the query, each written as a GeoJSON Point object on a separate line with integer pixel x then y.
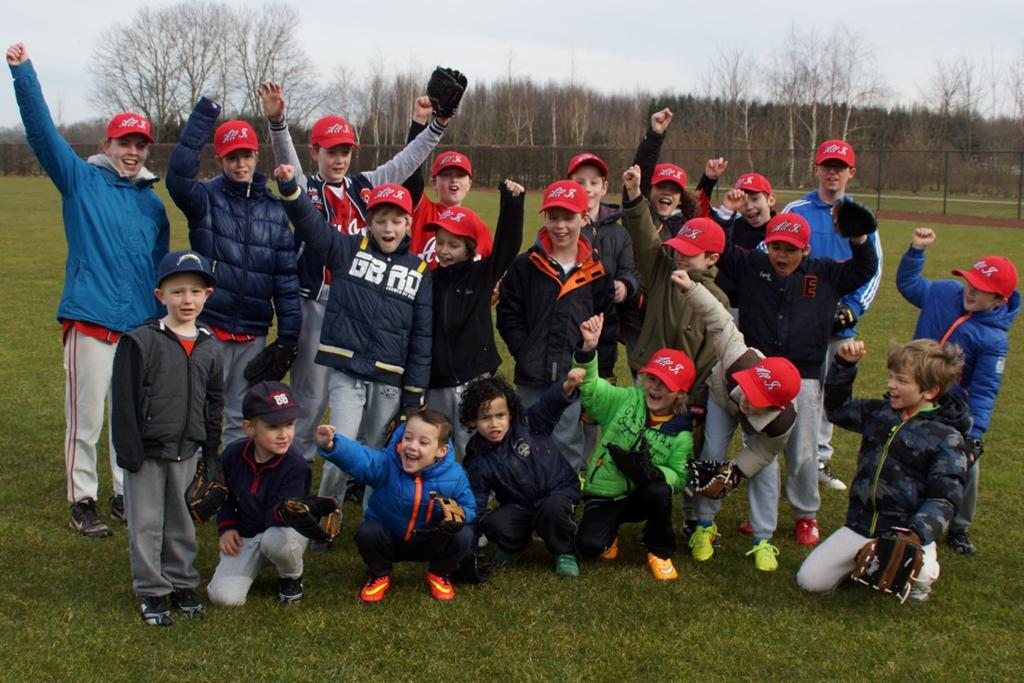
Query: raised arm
{"type": "Point", "coordinates": [508, 235]}
{"type": "Point", "coordinates": [912, 285]}
{"type": "Point", "coordinates": [404, 164]}
{"type": "Point", "coordinates": [310, 225]}
{"type": "Point", "coordinates": [728, 343]}
{"type": "Point", "coordinates": [649, 149]}
{"type": "Point", "coordinates": [420, 118]}
{"type": "Point", "coordinates": [636, 218]}
{"type": "Point", "coordinates": [274, 106]}
{"type": "Point", "coordinates": [183, 169]}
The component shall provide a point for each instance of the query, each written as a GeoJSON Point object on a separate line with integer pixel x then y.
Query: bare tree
{"type": "Point", "coordinates": [1015, 81]}
{"type": "Point", "coordinates": [729, 77]}
{"type": "Point", "coordinates": [200, 40]}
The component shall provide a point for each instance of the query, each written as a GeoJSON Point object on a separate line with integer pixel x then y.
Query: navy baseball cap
{"type": "Point", "coordinates": [272, 402]}
{"type": "Point", "coordinates": [184, 261]}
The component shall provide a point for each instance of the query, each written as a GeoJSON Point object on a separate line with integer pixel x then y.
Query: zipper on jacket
{"type": "Point", "coordinates": [878, 472]}
{"type": "Point", "coordinates": [415, 507]}
{"type": "Point", "coordinates": [244, 265]}
{"type": "Point", "coordinates": [188, 397]}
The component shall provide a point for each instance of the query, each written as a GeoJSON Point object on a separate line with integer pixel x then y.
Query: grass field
{"type": "Point", "coordinates": [68, 611]}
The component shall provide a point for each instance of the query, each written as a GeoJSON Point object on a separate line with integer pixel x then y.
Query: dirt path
{"type": "Point", "coordinates": [926, 218]}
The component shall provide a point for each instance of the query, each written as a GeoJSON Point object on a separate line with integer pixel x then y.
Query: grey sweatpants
{"type": "Point", "coordinates": [161, 535]}
{"type": "Point", "coordinates": [448, 400]}
{"type": "Point", "coordinates": [309, 381]}
{"type": "Point", "coordinates": [568, 434]}
{"type": "Point", "coordinates": [825, 428]}
{"type": "Point", "coordinates": [965, 513]}
{"type": "Point", "coordinates": [236, 357]}
{"type": "Point", "coordinates": [281, 546]}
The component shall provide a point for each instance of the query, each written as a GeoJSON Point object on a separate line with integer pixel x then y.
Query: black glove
{"type": "Point", "coordinates": [974, 446]}
{"type": "Point", "coordinates": [635, 464]}
{"type": "Point", "coordinates": [445, 90]}
{"type": "Point", "coordinates": [845, 318]}
{"type": "Point", "coordinates": [271, 364]}
{"type": "Point", "coordinates": [473, 569]}
{"type": "Point", "coordinates": [851, 219]}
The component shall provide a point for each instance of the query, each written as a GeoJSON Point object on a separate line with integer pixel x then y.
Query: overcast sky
{"type": "Point", "coordinates": [613, 46]}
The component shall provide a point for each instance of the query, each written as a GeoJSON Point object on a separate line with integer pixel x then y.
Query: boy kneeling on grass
{"type": "Point", "coordinates": [642, 459]}
{"type": "Point", "coordinates": [912, 464]}
{"type": "Point", "coordinates": [405, 519]}
{"type": "Point", "coordinates": [512, 453]}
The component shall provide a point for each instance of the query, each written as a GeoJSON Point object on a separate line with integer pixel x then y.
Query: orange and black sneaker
{"type": "Point", "coordinates": [661, 568]}
{"type": "Point", "coordinates": [612, 551]}
{"type": "Point", "coordinates": [375, 588]}
{"type": "Point", "coordinates": [440, 586]}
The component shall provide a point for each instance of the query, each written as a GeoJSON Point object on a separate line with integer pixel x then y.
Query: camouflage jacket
{"type": "Point", "coordinates": [910, 473]}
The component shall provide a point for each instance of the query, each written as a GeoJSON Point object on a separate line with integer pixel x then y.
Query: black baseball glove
{"type": "Point", "coordinates": [207, 492]}
{"type": "Point", "coordinates": [714, 478]}
{"type": "Point", "coordinates": [851, 219]}
{"type": "Point", "coordinates": [271, 364]}
{"type": "Point", "coordinates": [845, 318]}
{"type": "Point", "coordinates": [318, 518]}
{"type": "Point", "coordinates": [636, 464]}
{"type": "Point", "coordinates": [974, 446]}
{"type": "Point", "coordinates": [445, 90]}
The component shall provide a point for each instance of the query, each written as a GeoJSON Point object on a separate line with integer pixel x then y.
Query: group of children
{"type": "Point", "coordinates": [733, 317]}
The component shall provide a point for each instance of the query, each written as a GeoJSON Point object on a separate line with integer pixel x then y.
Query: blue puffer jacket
{"type": "Point", "coordinates": [401, 501]}
{"type": "Point", "coordinates": [116, 229]}
{"type": "Point", "coordinates": [526, 466]}
{"type": "Point", "coordinates": [379, 318]}
{"type": "Point", "coordinates": [982, 335]}
{"type": "Point", "coordinates": [243, 230]}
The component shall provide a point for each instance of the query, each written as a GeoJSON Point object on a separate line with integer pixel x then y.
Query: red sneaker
{"type": "Point", "coordinates": [440, 586]}
{"type": "Point", "coordinates": [375, 588]}
{"type": "Point", "coordinates": [807, 532]}
{"type": "Point", "coordinates": [746, 528]}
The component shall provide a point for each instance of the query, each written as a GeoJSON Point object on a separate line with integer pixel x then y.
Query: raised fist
{"type": "Point", "coordinates": [851, 351]}
{"type": "Point", "coordinates": [17, 54]}
{"type": "Point", "coordinates": [922, 238]}
{"type": "Point", "coordinates": [660, 120]}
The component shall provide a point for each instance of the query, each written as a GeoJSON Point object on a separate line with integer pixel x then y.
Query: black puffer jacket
{"type": "Point", "coordinates": [243, 230]}
{"type": "Point", "coordinates": [165, 403]}
{"type": "Point", "coordinates": [910, 472]}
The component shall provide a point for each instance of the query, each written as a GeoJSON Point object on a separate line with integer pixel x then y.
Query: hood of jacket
{"type": "Point", "coordinates": [145, 177]}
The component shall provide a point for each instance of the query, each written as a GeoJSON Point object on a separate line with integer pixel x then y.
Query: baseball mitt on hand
{"type": "Point", "coordinates": [845, 318]}
{"type": "Point", "coordinates": [271, 364]}
{"type": "Point", "coordinates": [207, 492]}
{"type": "Point", "coordinates": [890, 563]}
{"type": "Point", "coordinates": [449, 517]}
{"type": "Point", "coordinates": [851, 219]}
{"type": "Point", "coordinates": [318, 518]}
{"type": "Point", "coordinates": [636, 465]}
{"type": "Point", "coordinates": [713, 478]}
{"type": "Point", "coordinates": [445, 90]}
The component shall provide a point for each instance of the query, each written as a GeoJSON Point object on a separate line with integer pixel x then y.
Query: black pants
{"type": "Point", "coordinates": [652, 503]}
{"type": "Point", "coordinates": [380, 549]}
{"type": "Point", "coordinates": [510, 525]}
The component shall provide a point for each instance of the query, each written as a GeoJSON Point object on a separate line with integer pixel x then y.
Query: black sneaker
{"type": "Point", "coordinates": [321, 546]}
{"type": "Point", "coordinates": [117, 508]}
{"type": "Point", "coordinates": [959, 541]}
{"type": "Point", "coordinates": [187, 602]}
{"type": "Point", "coordinates": [289, 591]}
{"type": "Point", "coordinates": [85, 520]}
{"type": "Point", "coordinates": [155, 611]}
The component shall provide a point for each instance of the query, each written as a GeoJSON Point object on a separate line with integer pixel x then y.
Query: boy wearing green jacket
{"type": "Point", "coordinates": [642, 458]}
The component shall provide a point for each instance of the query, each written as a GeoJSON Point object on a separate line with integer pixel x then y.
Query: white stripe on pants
{"type": "Point", "coordinates": [831, 562]}
{"type": "Point", "coordinates": [88, 365]}
{"type": "Point", "coordinates": [161, 535]}
{"type": "Point", "coordinates": [281, 546]}
{"type": "Point", "coordinates": [236, 357]}
{"type": "Point", "coordinates": [309, 381]}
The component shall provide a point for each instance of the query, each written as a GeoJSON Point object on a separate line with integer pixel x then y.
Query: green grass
{"type": "Point", "coordinates": [68, 611]}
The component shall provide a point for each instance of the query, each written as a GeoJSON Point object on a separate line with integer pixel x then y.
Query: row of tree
{"type": "Point", "coordinates": [812, 87]}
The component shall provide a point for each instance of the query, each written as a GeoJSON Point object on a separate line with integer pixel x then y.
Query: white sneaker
{"type": "Point", "coordinates": [920, 594]}
{"type": "Point", "coordinates": [829, 480]}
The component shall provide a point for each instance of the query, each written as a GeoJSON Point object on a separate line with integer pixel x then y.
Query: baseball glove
{"type": "Point", "coordinates": [851, 219]}
{"type": "Point", "coordinates": [473, 569]}
{"type": "Point", "coordinates": [844, 320]}
{"type": "Point", "coordinates": [271, 364]}
{"type": "Point", "coordinates": [445, 90]}
{"type": "Point", "coordinates": [635, 464]}
{"type": "Point", "coordinates": [318, 518]}
{"type": "Point", "coordinates": [974, 446]}
{"type": "Point", "coordinates": [714, 478]}
{"type": "Point", "coordinates": [449, 516]}
{"type": "Point", "coordinates": [207, 492]}
{"type": "Point", "coordinates": [889, 563]}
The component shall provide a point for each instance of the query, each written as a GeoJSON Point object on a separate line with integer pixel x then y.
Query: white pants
{"type": "Point", "coordinates": [831, 562]}
{"type": "Point", "coordinates": [281, 546]}
{"type": "Point", "coordinates": [88, 365]}
{"type": "Point", "coordinates": [236, 357]}
{"type": "Point", "coordinates": [309, 381]}
{"type": "Point", "coordinates": [824, 426]}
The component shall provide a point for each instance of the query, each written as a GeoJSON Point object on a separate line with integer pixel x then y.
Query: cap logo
{"type": "Point", "coordinates": [787, 226]}
{"type": "Point", "coordinates": [132, 122]}
{"type": "Point", "coordinates": [669, 173]}
{"type": "Point", "coordinates": [451, 159]}
{"type": "Point", "coordinates": [985, 269]}
{"type": "Point", "coordinates": [453, 216]}
{"type": "Point", "coordinates": [842, 150]}
{"type": "Point", "coordinates": [188, 256]}
{"type": "Point", "coordinates": [746, 180]}
{"type": "Point", "coordinates": [335, 129]}
{"type": "Point", "coordinates": [239, 133]}
{"type": "Point", "coordinates": [562, 192]}
{"type": "Point", "coordinates": [765, 375]}
{"type": "Point", "coordinates": [389, 192]}
{"type": "Point", "coordinates": [668, 364]}
{"type": "Point", "coordinates": [690, 232]}
{"type": "Point", "coordinates": [279, 399]}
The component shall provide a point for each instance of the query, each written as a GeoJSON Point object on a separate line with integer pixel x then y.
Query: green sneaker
{"type": "Point", "coordinates": [504, 558]}
{"type": "Point", "coordinates": [701, 542]}
{"type": "Point", "coordinates": [565, 565]}
{"type": "Point", "coordinates": [764, 555]}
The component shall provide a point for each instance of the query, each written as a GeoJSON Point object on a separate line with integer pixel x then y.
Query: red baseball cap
{"type": "Point", "coordinates": [674, 368]}
{"type": "Point", "coordinates": [697, 236]}
{"type": "Point", "coordinates": [839, 150]}
{"type": "Point", "coordinates": [458, 220]}
{"type": "Point", "coordinates": [331, 131]}
{"type": "Point", "coordinates": [451, 159]}
{"type": "Point", "coordinates": [771, 382]}
{"type": "Point", "coordinates": [565, 194]}
{"type": "Point", "coordinates": [232, 135]}
{"type": "Point", "coordinates": [584, 159]}
{"type": "Point", "coordinates": [753, 182]}
{"type": "Point", "coordinates": [396, 195]}
{"type": "Point", "coordinates": [129, 123]}
{"type": "Point", "coordinates": [791, 228]}
{"type": "Point", "coordinates": [995, 274]}
{"type": "Point", "coordinates": [669, 173]}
